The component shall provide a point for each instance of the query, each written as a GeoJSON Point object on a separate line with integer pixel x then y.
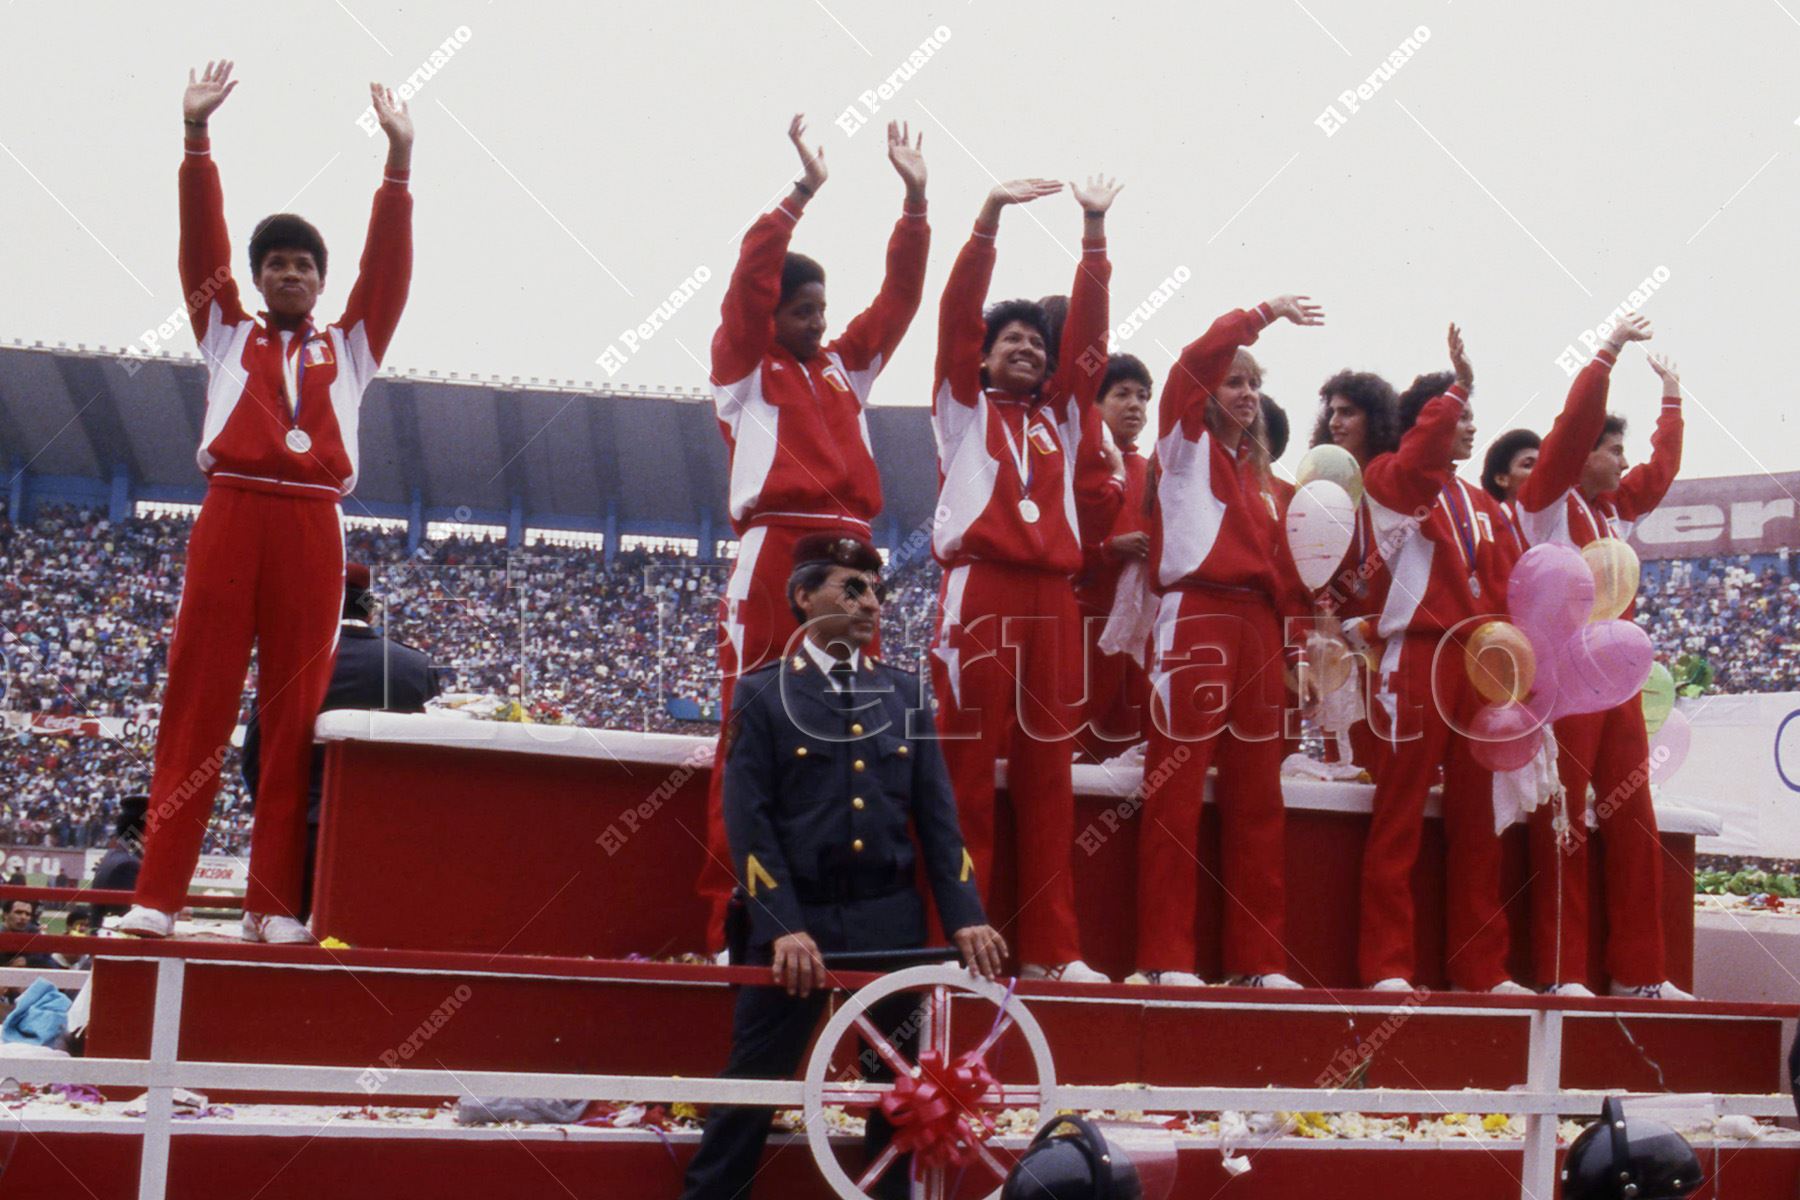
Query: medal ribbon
{"type": "Point", "coordinates": [1600, 523]}
{"type": "Point", "coordinates": [1457, 505]}
{"type": "Point", "coordinates": [1020, 448]}
{"type": "Point", "coordinates": [293, 370]}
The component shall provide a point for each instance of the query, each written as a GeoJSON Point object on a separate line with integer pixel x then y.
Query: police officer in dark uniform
{"type": "Point", "coordinates": [826, 785]}
{"type": "Point", "coordinates": [373, 673]}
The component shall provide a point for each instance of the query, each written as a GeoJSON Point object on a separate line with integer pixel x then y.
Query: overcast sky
{"type": "Point", "coordinates": [1527, 168]}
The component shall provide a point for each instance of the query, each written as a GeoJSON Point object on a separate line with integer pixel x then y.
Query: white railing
{"type": "Point", "coordinates": [1540, 1101]}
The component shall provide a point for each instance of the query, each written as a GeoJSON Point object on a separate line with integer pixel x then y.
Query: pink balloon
{"type": "Point", "coordinates": [1669, 748]}
{"type": "Point", "coordinates": [1602, 666]}
{"type": "Point", "coordinates": [1504, 737]}
{"type": "Point", "coordinates": [1551, 595]}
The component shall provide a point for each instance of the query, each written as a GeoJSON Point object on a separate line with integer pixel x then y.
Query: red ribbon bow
{"type": "Point", "coordinates": [933, 1110]}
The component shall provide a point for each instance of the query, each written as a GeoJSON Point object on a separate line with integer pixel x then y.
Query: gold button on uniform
{"type": "Point", "coordinates": [857, 765]}
{"type": "Point", "coordinates": [903, 751]}
{"type": "Point", "coordinates": [856, 802]}
{"type": "Point", "coordinates": [856, 729]}
{"type": "Point", "coordinates": [800, 752]}
{"type": "Point", "coordinates": [857, 845]}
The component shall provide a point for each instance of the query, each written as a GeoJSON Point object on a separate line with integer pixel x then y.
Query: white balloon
{"type": "Point", "coordinates": [1320, 522]}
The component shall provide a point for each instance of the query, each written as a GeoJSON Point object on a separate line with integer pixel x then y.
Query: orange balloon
{"type": "Point", "coordinates": [1331, 660]}
{"type": "Point", "coordinates": [1614, 565]}
{"type": "Point", "coordinates": [1500, 662]}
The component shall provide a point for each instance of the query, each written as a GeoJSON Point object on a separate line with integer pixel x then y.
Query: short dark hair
{"type": "Point", "coordinates": [1027, 312]}
{"type": "Point", "coordinates": [1275, 426]}
{"type": "Point", "coordinates": [1425, 388]}
{"type": "Point", "coordinates": [1122, 367]}
{"type": "Point", "coordinates": [1614, 426]}
{"type": "Point", "coordinates": [1374, 398]}
{"type": "Point", "coordinates": [1500, 455]}
{"type": "Point", "coordinates": [285, 231]}
{"type": "Point", "coordinates": [30, 904]}
{"type": "Point", "coordinates": [806, 577]}
{"type": "Point", "coordinates": [798, 270]}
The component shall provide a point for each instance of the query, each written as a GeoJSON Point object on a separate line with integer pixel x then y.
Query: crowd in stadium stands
{"type": "Point", "coordinates": [1741, 615]}
{"type": "Point", "coordinates": [86, 604]}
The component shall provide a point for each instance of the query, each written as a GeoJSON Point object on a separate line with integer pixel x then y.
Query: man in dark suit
{"type": "Point", "coordinates": [373, 673]}
{"type": "Point", "coordinates": [826, 787]}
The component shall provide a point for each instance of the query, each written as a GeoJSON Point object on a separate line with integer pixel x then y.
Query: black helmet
{"type": "Point", "coordinates": [1638, 1159]}
{"type": "Point", "coordinates": [1081, 1167]}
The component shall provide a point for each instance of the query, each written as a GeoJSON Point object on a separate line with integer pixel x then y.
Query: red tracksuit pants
{"type": "Point", "coordinates": [1217, 693]}
{"type": "Point", "coordinates": [1418, 723]}
{"type": "Point", "coordinates": [755, 624]}
{"type": "Point", "coordinates": [1006, 674]}
{"type": "Point", "coordinates": [1118, 692]}
{"type": "Point", "coordinates": [1611, 751]}
{"type": "Point", "coordinates": [263, 570]}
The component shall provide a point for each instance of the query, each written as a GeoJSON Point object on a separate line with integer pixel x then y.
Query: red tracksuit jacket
{"type": "Point", "coordinates": [1551, 507]}
{"type": "Point", "coordinates": [249, 362]}
{"type": "Point", "coordinates": [798, 440]}
{"type": "Point", "coordinates": [982, 432]}
{"type": "Point", "coordinates": [1432, 529]}
{"type": "Point", "coordinates": [1212, 522]}
{"type": "Point", "coordinates": [1115, 508]}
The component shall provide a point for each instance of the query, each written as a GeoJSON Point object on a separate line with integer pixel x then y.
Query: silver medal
{"type": "Point", "coordinates": [299, 441]}
{"type": "Point", "coordinates": [1474, 587]}
{"type": "Point", "coordinates": [1028, 511]}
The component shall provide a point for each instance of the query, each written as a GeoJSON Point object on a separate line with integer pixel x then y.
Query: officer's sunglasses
{"type": "Point", "coordinates": [856, 587]}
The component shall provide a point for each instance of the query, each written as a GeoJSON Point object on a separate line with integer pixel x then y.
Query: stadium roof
{"type": "Point", "coordinates": [564, 452]}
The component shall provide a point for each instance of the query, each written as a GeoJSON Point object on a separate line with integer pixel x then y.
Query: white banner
{"type": "Point", "coordinates": [1744, 766]}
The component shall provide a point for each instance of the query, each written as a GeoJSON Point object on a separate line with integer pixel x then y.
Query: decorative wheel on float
{"type": "Point", "coordinates": [942, 1107]}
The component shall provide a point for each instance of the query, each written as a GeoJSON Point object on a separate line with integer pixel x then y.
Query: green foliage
{"type": "Point", "coordinates": [1746, 883]}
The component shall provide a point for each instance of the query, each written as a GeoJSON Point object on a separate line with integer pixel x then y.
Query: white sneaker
{"type": "Point", "coordinates": [1507, 987]}
{"type": "Point", "coordinates": [1274, 979]}
{"type": "Point", "coordinates": [146, 922]}
{"type": "Point", "coordinates": [276, 931]}
{"type": "Point", "coordinates": [1650, 991]}
{"type": "Point", "coordinates": [1167, 979]}
{"type": "Point", "coordinates": [1074, 971]}
{"type": "Point", "coordinates": [1579, 991]}
{"type": "Point", "coordinates": [1394, 984]}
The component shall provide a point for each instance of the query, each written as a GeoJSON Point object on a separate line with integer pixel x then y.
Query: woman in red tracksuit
{"type": "Point", "coordinates": [265, 562]}
{"type": "Point", "coordinates": [1447, 567]}
{"type": "Point", "coordinates": [1227, 584]}
{"type": "Point", "coordinates": [1579, 490]}
{"type": "Point", "coordinates": [1114, 534]}
{"type": "Point", "coordinates": [1006, 660]}
{"type": "Point", "coordinates": [791, 410]}
{"type": "Point", "coordinates": [1358, 413]}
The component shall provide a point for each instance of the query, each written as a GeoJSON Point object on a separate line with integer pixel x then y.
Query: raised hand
{"type": "Point", "coordinates": [908, 157]}
{"type": "Point", "coordinates": [1024, 191]}
{"type": "Point", "coordinates": [1668, 372]}
{"type": "Point", "coordinates": [812, 162]}
{"type": "Point", "coordinates": [1631, 328]}
{"type": "Point", "coordinates": [1097, 194]}
{"type": "Point", "coordinates": [1299, 309]}
{"type": "Point", "coordinates": [393, 114]}
{"type": "Point", "coordinates": [1459, 358]}
{"type": "Point", "coordinates": [205, 94]}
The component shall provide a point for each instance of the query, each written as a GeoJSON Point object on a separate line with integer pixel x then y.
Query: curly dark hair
{"type": "Point", "coordinates": [1374, 397]}
{"type": "Point", "coordinates": [1026, 312]}
{"type": "Point", "coordinates": [1425, 388]}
